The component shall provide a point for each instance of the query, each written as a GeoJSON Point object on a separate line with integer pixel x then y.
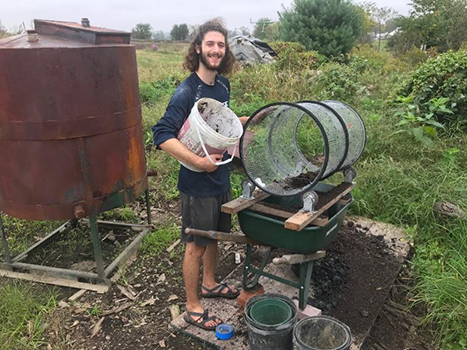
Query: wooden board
{"type": "Point", "coordinates": [55, 281]}
{"type": "Point", "coordinates": [233, 207]}
{"type": "Point", "coordinates": [319, 221]}
{"type": "Point", "coordinates": [222, 236]}
{"type": "Point", "coordinates": [302, 219]}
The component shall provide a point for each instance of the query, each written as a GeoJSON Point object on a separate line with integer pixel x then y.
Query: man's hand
{"type": "Point", "coordinates": [243, 119]}
{"type": "Point", "coordinates": [205, 164]}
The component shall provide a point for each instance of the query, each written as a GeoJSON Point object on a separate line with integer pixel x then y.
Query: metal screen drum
{"type": "Point", "coordinates": [295, 145]}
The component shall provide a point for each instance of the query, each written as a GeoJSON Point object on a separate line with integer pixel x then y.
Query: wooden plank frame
{"type": "Point", "coordinates": [300, 220]}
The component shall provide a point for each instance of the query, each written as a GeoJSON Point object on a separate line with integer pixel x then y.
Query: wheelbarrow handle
{"type": "Point", "coordinates": [298, 258]}
{"type": "Point", "coordinates": [222, 236]}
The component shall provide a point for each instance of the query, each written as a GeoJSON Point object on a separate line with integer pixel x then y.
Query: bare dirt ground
{"type": "Point", "coordinates": [135, 313]}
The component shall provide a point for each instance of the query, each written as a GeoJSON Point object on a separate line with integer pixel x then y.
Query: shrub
{"type": "Point", "coordinates": [338, 82]}
{"type": "Point", "coordinates": [444, 76]}
{"type": "Point", "coordinates": [294, 56]}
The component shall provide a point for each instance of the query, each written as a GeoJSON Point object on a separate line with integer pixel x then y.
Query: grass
{"type": "Point", "coordinates": [160, 239]}
{"type": "Point", "coordinates": [23, 310]}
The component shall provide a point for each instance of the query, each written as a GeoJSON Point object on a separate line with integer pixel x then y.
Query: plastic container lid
{"type": "Point", "coordinates": [224, 331]}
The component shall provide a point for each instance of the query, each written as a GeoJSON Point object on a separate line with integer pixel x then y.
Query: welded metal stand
{"type": "Point", "coordinates": [73, 278]}
{"type": "Point", "coordinates": [252, 274]}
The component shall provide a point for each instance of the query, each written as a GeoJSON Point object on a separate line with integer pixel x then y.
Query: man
{"type": "Point", "coordinates": [203, 193]}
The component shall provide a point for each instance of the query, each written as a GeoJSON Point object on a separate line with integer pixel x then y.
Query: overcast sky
{"type": "Point", "coordinates": [162, 15]}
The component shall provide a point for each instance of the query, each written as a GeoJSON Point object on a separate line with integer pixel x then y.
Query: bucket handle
{"type": "Point", "coordinates": [206, 151]}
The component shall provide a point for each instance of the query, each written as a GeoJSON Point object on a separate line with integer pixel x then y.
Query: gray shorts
{"type": "Point", "coordinates": [204, 214]}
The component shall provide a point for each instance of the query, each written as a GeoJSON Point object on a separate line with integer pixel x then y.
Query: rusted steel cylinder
{"type": "Point", "coordinates": [70, 122]}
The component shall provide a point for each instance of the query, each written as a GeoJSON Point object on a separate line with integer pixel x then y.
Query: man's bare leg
{"type": "Point", "coordinates": [209, 267]}
{"type": "Point", "coordinates": [191, 264]}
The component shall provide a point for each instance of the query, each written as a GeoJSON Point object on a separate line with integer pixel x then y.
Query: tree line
{"type": "Point", "coordinates": [333, 27]}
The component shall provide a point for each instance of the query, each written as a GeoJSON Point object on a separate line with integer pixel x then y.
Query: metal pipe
{"type": "Point", "coordinates": [148, 207]}
{"type": "Point", "coordinates": [126, 253]}
{"type": "Point", "coordinates": [24, 254]}
{"type": "Point", "coordinates": [5, 242]}
{"type": "Point", "coordinates": [57, 272]}
{"type": "Point", "coordinates": [96, 242]}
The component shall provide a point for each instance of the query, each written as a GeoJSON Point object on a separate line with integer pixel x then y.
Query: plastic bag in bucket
{"type": "Point", "coordinates": [211, 128]}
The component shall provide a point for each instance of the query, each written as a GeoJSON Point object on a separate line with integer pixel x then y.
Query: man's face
{"type": "Point", "coordinates": [212, 50]}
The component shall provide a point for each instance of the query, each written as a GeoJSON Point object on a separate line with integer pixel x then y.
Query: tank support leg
{"type": "Point", "coordinates": [148, 207]}
{"type": "Point", "coordinates": [5, 242]}
{"type": "Point", "coordinates": [96, 242]}
{"type": "Point", "coordinates": [304, 280]}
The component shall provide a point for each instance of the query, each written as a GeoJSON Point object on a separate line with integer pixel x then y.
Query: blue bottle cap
{"type": "Point", "coordinates": [224, 331]}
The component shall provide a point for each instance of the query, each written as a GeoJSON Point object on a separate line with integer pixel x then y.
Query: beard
{"type": "Point", "coordinates": [204, 59]}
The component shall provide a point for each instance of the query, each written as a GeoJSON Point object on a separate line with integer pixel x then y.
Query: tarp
{"type": "Point", "coordinates": [249, 50]}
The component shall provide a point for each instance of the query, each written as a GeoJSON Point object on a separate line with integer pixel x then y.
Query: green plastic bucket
{"type": "Point", "coordinates": [264, 336]}
{"type": "Point", "coordinates": [271, 312]}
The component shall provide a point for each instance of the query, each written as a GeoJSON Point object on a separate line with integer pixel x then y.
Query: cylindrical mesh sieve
{"type": "Point", "coordinates": [295, 145]}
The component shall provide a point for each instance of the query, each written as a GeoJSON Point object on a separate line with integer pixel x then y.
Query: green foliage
{"type": "Point", "coordinates": [123, 214]}
{"type": "Point", "coordinates": [142, 31]}
{"type": "Point", "coordinates": [338, 82]}
{"type": "Point", "coordinates": [413, 56]}
{"type": "Point", "coordinates": [23, 310]}
{"type": "Point", "coordinates": [179, 32]}
{"type": "Point", "coordinates": [433, 23]}
{"type": "Point", "coordinates": [444, 76]}
{"type": "Point", "coordinates": [157, 241]}
{"type": "Point", "coordinates": [294, 56]}
{"type": "Point", "coordinates": [22, 233]}
{"type": "Point", "coordinates": [150, 93]}
{"type": "Point", "coordinates": [330, 27]}
{"type": "Point", "coordinates": [421, 125]}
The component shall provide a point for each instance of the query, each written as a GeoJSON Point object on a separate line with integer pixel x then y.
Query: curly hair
{"type": "Point", "coordinates": [192, 57]}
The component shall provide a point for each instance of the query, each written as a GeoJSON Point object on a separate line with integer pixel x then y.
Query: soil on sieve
{"type": "Point", "coordinates": [296, 182]}
{"type": "Point", "coordinates": [135, 313]}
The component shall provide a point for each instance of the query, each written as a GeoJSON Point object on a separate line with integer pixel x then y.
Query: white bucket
{"type": "Point", "coordinates": [211, 128]}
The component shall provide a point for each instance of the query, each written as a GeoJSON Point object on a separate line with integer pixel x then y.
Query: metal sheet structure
{"type": "Point", "coordinates": [71, 142]}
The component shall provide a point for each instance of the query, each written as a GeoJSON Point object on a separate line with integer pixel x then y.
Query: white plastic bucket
{"type": "Point", "coordinates": [211, 128]}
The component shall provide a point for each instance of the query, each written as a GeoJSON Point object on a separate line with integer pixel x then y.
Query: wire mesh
{"type": "Point", "coordinates": [292, 146]}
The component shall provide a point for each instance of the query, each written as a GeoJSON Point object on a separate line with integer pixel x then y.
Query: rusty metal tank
{"type": "Point", "coordinates": [71, 139]}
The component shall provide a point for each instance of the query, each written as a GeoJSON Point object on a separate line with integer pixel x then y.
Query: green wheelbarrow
{"type": "Point", "coordinates": [305, 246]}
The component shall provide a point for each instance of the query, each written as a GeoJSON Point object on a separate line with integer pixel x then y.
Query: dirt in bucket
{"type": "Point", "coordinates": [216, 116]}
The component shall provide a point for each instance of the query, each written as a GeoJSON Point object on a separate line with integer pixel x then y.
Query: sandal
{"type": "Point", "coordinates": [218, 292]}
{"type": "Point", "coordinates": [203, 317]}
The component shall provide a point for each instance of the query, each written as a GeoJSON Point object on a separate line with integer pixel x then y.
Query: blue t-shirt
{"type": "Point", "coordinates": [194, 184]}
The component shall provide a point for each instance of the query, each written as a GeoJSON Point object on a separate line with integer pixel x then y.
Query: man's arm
{"type": "Point", "coordinates": [179, 151]}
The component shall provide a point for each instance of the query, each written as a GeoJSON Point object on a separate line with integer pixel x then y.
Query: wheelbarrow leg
{"type": "Point", "coordinates": [247, 268]}
{"type": "Point", "coordinates": [306, 269]}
